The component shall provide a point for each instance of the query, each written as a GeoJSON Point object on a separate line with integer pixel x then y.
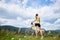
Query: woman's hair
{"type": "Point", "coordinates": [36, 14]}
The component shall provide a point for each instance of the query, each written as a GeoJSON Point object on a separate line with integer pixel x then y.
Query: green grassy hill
{"type": "Point", "coordinates": [11, 35]}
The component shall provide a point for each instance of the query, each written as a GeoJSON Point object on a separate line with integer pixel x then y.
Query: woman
{"type": "Point", "coordinates": [38, 26]}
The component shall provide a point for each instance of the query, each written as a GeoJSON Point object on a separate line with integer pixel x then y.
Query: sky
{"type": "Point", "coordinates": [20, 13]}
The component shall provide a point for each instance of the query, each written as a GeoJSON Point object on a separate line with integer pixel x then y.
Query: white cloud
{"type": "Point", "coordinates": [49, 26]}
{"type": "Point", "coordinates": [9, 22]}
{"type": "Point", "coordinates": [24, 2]}
{"type": "Point", "coordinates": [57, 21]}
{"type": "Point", "coordinates": [45, 12]}
{"type": "Point", "coordinates": [19, 22]}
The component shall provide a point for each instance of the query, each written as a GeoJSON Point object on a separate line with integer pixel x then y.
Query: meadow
{"type": "Point", "coordinates": [12, 35]}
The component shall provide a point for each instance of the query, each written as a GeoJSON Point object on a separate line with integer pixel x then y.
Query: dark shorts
{"type": "Point", "coordinates": [37, 24]}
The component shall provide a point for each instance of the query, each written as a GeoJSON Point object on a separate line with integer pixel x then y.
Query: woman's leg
{"type": "Point", "coordinates": [41, 33]}
{"type": "Point", "coordinates": [36, 31]}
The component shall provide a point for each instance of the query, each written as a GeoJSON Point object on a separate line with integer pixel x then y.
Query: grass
{"type": "Point", "coordinates": [11, 35]}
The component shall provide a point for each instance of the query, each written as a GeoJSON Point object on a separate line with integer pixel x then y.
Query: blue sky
{"type": "Point", "coordinates": [20, 13]}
